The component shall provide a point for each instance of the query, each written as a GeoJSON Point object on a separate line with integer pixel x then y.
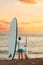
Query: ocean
{"type": "Point", "coordinates": [34, 43]}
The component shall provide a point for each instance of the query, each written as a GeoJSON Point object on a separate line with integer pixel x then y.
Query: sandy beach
{"type": "Point", "coordinates": [36, 61]}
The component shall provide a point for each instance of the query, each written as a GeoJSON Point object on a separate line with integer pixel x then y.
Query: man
{"type": "Point", "coordinates": [20, 48]}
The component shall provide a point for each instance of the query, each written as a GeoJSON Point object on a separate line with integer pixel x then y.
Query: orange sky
{"type": "Point", "coordinates": [30, 1]}
{"type": "Point", "coordinates": [29, 14]}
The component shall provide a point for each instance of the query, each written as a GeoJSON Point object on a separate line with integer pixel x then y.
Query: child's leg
{"type": "Point", "coordinates": [26, 56]}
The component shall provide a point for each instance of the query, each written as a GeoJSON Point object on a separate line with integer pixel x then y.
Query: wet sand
{"type": "Point", "coordinates": [37, 61]}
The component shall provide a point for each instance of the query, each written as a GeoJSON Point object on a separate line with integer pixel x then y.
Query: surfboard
{"type": "Point", "coordinates": [12, 39]}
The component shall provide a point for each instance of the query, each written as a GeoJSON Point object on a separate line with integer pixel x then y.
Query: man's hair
{"type": "Point", "coordinates": [19, 38]}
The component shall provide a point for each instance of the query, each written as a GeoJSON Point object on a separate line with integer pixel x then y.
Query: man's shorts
{"type": "Point", "coordinates": [20, 50]}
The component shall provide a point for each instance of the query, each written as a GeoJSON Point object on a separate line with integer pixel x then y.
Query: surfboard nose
{"type": "Point", "coordinates": [14, 19]}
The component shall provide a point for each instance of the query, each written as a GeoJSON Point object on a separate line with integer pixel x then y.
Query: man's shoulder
{"type": "Point", "coordinates": [20, 41]}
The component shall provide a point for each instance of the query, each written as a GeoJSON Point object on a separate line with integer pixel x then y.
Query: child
{"type": "Point", "coordinates": [20, 48]}
{"type": "Point", "coordinates": [25, 51]}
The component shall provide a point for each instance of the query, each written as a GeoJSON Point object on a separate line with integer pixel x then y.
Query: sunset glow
{"type": "Point", "coordinates": [29, 1]}
{"type": "Point", "coordinates": [29, 15]}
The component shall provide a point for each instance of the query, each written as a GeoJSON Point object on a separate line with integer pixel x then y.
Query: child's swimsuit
{"type": "Point", "coordinates": [25, 50]}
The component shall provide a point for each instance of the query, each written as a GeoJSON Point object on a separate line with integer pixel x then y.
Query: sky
{"type": "Point", "coordinates": [29, 14]}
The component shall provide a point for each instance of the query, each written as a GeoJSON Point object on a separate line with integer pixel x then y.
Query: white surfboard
{"type": "Point", "coordinates": [12, 38]}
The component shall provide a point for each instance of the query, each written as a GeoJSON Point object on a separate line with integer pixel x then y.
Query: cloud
{"type": "Point", "coordinates": [6, 22]}
{"type": "Point", "coordinates": [29, 1]}
{"type": "Point", "coordinates": [4, 26]}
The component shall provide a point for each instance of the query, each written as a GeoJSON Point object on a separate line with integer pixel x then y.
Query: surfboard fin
{"type": "Point", "coordinates": [10, 56]}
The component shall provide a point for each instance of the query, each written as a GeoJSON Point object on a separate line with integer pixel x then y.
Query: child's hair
{"type": "Point", "coordinates": [25, 45]}
{"type": "Point", "coordinates": [19, 38]}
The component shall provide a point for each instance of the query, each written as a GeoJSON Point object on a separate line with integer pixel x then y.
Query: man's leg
{"type": "Point", "coordinates": [21, 56]}
{"type": "Point", "coordinates": [18, 55]}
